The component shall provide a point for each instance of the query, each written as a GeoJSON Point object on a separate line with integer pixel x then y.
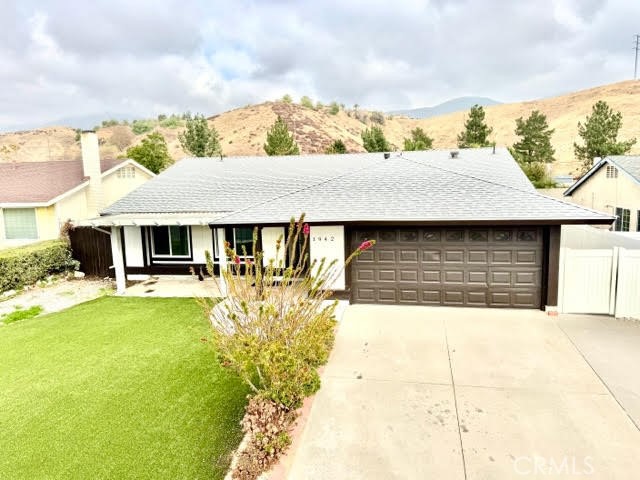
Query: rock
{"type": "Point", "coordinates": [78, 274]}
{"type": "Point", "coordinates": [9, 293]}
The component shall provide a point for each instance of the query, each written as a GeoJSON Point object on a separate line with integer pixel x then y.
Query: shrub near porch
{"type": "Point", "coordinates": [116, 388]}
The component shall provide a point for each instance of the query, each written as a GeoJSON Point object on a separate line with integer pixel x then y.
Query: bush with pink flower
{"type": "Point", "coordinates": [276, 327]}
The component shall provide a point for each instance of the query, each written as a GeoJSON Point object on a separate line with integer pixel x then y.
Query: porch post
{"type": "Point", "coordinates": [222, 259]}
{"type": "Point", "coordinates": [118, 261]}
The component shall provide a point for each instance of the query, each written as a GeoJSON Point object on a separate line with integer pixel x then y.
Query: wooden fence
{"type": "Point", "coordinates": [92, 248]}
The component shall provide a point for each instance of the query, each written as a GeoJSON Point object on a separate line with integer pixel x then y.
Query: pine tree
{"type": "Point", "coordinates": [373, 140]}
{"type": "Point", "coordinates": [476, 131]}
{"type": "Point", "coordinates": [337, 146]}
{"type": "Point", "coordinates": [152, 153]}
{"type": "Point", "coordinates": [418, 141]}
{"type": "Point", "coordinates": [600, 136]}
{"type": "Point", "coordinates": [198, 138]}
{"type": "Point", "coordinates": [535, 142]}
{"type": "Point", "coordinates": [280, 141]}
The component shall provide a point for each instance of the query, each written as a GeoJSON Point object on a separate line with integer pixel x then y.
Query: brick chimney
{"type": "Point", "coordinates": [92, 170]}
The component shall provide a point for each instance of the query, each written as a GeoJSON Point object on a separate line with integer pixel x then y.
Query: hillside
{"type": "Point", "coordinates": [243, 130]}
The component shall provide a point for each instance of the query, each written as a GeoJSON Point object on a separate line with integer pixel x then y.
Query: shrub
{"type": "Point", "coordinates": [274, 330]}
{"type": "Point", "coordinates": [26, 265]}
{"type": "Point", "coordinates": [337, 146]}
{"type": "Point", "coordinates": [374, 140]}
{"type": "Point", "coordinates": [173, 121]}
{"type": "Point", "coordinates": [334, 108]}
{"type": "Point", "coordinates": [306, 102]}
{"type": "Point", "coordinates": [142, 126]}
{"type": "Point", "coordinates": [377, 117]}
{"type": "Point", "coordinates": [266, 424]}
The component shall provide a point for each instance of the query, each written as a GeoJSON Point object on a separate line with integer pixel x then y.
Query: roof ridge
{"type": "Point", "coordinates": [529, 192]}
{"type": "Point", "coordinates": [301, 189]}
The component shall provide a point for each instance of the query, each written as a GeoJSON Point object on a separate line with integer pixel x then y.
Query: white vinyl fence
{"type": "Point", "coordinates": [603, 278]}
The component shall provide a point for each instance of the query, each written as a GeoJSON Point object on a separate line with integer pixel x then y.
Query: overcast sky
{"type": "Point", "coordinates": [67, 59]}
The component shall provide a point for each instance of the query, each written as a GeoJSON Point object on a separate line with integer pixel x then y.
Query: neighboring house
{"type": "Point", "coordinates": [37, 198]}
{"type": "Point", "coordinates": [612, 186]}
{"type": "Point", "coordinates": [463, 230]}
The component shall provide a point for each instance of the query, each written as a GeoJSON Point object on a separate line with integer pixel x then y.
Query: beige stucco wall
{"type": "Point", "coordinates": [607, 194]}
{"type": "Point", "coordinates": [115, 188]}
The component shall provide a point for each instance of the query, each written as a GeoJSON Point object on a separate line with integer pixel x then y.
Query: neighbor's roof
{"type": "Point", "coordinates": [429, 186]}
{"type": "Point", "coordinates": [628, 164]}
{"type": "Point", "coordinates": [41, 182]}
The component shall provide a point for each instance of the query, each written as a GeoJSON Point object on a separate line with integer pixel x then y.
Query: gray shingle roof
{"type": "Point", "coordinates": [409, 187]}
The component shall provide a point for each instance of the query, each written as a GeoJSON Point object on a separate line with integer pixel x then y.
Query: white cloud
{"type": "Point", "coordinates": [68, 58]}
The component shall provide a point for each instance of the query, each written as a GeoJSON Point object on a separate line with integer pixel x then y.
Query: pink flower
{"type": "Point", "coordinates": [366, 245]}
{"type": "Point", "coordinates": [236, 260]}
{"type": "Point", "coordinates": [305, 229]}
{"type": "Point", "coordinates": [248, 261]}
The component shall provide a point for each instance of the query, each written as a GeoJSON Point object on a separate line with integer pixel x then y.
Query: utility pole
{"type": "Point", "coordinates": [635, 66]}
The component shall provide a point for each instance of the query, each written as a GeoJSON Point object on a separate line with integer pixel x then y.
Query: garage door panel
{"type": "Point", "coordinates": [477, 298]}
{"type": "Point", "coordinates": [479, 256]}
{"type": "Point", "coordinates": [408, 295]}
{"type": "Point", "coordinates": [454, 256]}
{"type": "Point", "coordinates": [501, 257]}
{"type": "Point", "coordinates": [454, 297]}
{"type": "Point", "coordinates": [408, 256]}
{"type": "Point", "coordinates": [387, 276]}
{"type": "Point", "coordinates": [384, 255]}
{"type": "Point", "coordinates": [432, 297]}
{"type": "Point", "coordinates": [431, 256]}
{"type": "Point", "coordinates": [454, 276]}
{"type": "Point", "coordinates": [387, 295]}
{"type": "Point", "coordinates": [365, 275]}
{"type": "Point", "coordinates": [476, 277]}
{"type": "Point", "coordinates": [409, 276]}
{"type": "Point", "coordinates": [481, 267]}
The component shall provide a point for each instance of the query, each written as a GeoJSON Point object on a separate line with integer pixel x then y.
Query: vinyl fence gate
{"type": "Point", "coordinates": [601, 281]}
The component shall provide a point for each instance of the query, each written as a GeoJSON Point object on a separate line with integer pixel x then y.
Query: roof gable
{"type": "Point", "coordinates": [41, 182]}
{"type": "Point", "coordinates": [627, 164]}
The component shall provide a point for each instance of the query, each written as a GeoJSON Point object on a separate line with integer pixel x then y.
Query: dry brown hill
{"type": "Point", "coordinates": [243, 130]}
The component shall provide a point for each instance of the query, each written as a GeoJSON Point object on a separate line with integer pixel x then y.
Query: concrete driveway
{"type": "Point", "coordinates": [447, 393]}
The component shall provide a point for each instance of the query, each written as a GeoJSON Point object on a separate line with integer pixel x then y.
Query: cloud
{"type": "Point", "coordinates": [70, 58]}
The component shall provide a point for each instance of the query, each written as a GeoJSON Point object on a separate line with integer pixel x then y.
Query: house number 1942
{"type": "Point", "coordinates": [329, 238]}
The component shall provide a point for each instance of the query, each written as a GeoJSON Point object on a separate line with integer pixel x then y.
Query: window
{"type": "Point", "coordinates": [243, 237]}
{"type": "Point", "coordinates": [612, 172]}
{"type": "Point", "coordinates": [126, 172]}
{"type": "Point", "coordinates": [170, 241]}
{"type": "Point", "coordinates": [638, 222]}
{"type": "Point", "coordinates": [20, 223]}
{"type": "Point", "coordinates": [502, 235]}
{"type": "Point", "coordinates": [478, 235]}
{"type": "Point", "coordinates": [623, 217]}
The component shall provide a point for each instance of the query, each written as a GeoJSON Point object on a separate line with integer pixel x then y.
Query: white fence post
{"type": "Point", "coordinates": [614, 281]}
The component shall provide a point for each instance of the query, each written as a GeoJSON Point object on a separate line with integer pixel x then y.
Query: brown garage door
{"type": "Point", "coordinates": [475, 267]}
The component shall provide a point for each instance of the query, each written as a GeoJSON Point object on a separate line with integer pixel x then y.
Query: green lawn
{"type": "Point", "coordinates": [116, 388]}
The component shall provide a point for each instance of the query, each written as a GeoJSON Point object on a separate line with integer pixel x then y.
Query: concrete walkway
{"type": "Point", "coordinates": [446, 393]}
{"type": "Point", "coordinates": [174, 286]}
{"type": "Point", "coordinates": [612, 348]}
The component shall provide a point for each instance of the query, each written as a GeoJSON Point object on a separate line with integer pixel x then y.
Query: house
{"type": "Point", "coordinates": [452, 228]}
{"type": "Point", "coordinates": [37, 198]}
{"type": "Point", "coordinates": [612, 185]}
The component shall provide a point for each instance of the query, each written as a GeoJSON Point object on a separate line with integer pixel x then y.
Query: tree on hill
{"type": "Point", "coordinates": [121, 137]}
{"type": "Point", "coordinates": [286, 98]}
{"type": "Point", "coordinates": [373, 140]}
{"type": "Point", "coordinates": [476, 131]}
{"type": "Point", "coordinates": [306, 102]}
{"type": "Point", "coordinates": [418, 141]}
{"type": "Point", "coordinates": [198, 138]}
{"type": "Point", "coordinates": [535, 140]}
{"type": "Point", "coordinates": [280, 141]}
{"type": "Point", "coordinates": [600, 135]}
{"type": "Point", "coordinates": [152, 153]}
{"type": "Point", "coordinates": [337, 146]}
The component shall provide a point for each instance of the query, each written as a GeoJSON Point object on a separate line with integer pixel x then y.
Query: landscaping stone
{"type": "Point", "coordinates": [9, 293]}
{"type": "Point", "coordinates": [78, 274]}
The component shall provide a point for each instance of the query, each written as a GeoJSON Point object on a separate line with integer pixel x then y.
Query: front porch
{"type": "Point", "coordinates": [174, 286]}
